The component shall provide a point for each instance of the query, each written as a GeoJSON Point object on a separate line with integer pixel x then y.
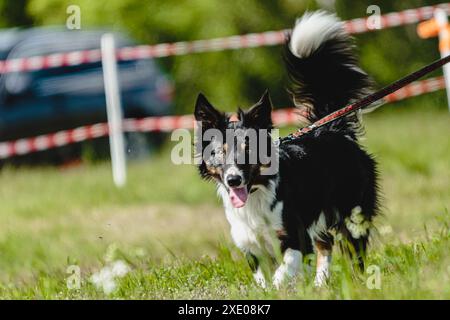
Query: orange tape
{"type": "Point", "coordinates": [428, 29]}
{"type": "Point", "coordinates": [431, 28]}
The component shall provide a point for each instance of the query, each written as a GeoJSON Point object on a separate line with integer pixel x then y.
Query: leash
{"type": "Point", "coordinates": [368, 100]}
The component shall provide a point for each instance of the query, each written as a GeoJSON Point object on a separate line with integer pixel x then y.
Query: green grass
{"type": "Point", "coordinates": [169, 227]}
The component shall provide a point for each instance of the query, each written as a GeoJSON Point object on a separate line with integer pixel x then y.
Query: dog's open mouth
{"type": "Point", "coordinates": [238, 196]}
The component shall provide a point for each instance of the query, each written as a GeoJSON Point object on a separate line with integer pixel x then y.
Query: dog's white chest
{"type": "Point", "coordinates": [254, 226]}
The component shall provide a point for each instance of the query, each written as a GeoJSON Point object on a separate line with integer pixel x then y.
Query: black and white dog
{"type": "Point", "coordinates": [325, 182]}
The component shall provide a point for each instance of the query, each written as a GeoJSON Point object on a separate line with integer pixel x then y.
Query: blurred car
{"type": "Point", "coordinates": [45, 101]}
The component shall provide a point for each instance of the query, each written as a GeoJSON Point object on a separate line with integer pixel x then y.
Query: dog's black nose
{"type": "Point", "coordinates": [234, 180]}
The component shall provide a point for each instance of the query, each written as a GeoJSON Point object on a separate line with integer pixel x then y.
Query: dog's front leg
{"type": "Point", "coordinates": [288, 269]}
{"type": "Point", "coordinates": [258, 275]}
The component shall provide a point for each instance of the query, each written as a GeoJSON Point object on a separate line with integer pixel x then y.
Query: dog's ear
{"type": "Point", "coordinates": [209, 116]}
{"type": "Point", "coordinates": [260, 115]}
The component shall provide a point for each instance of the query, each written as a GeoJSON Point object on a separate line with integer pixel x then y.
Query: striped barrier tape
{"type": "Point", "coordinates": [251, 40]}
{"type": "Point", "coordinates": [416, 89]}
{"type": "Point", "coordinates": [169, 123]}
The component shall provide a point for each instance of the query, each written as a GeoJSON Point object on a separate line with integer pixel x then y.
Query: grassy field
{"type": "Point", "coordinates": [169, 229]}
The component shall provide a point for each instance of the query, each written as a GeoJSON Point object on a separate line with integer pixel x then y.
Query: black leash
{"type": "Point", "coordinates": [366, 101]}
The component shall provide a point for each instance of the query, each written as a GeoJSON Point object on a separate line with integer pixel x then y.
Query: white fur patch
{"type": "Point", "coordinates": [313, 29]}
{"type": "Point", "coordinates": [318, 228]}
{"type": "Point", "coordinates": [292, 261]}
{"type": "Point", "coordinates": [259, 278]}
{"type": "Point", "coordinates": [254, 226]}
{"type": "Point", "coordinates": [357, 224]}
{"type": "Point", "coordinates": [323, 270]}
{"type": "Point", "coordinates": [233, 171]}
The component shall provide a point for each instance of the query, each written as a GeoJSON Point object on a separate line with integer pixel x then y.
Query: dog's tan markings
{"type": "Point", "coordinates": [225, 147]}
{"type": "Point", "coordinates": [214, 171]}
{"type": "Point", "coordinates": [323, 252]}
{"type": "Point", "coordinates": [281, 233]}
{"type": "Point", "coordinates": [264, 167]}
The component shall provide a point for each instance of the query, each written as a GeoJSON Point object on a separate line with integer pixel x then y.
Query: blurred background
{"type": "Point", "coordinates": [44, 101]}
{"type": "Point", "coordinates": [60, 205]}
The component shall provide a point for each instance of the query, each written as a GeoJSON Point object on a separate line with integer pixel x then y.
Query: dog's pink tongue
{"type": "Point", "coordinates": [238, 196]}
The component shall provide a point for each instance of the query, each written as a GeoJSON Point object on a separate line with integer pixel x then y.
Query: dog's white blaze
{"type": "Point", "coordinates": [323, 270]}
{"type": "Point", "coordinates": [254, 226]}
{"type": "Point", "coordinates": [234, 171]}
{"type": "Point", "coordinates": [292, 261]}
{"type": "Point", "coordinates": [312, 30]}
{"type": "Point", "coordinates": [318, 228]}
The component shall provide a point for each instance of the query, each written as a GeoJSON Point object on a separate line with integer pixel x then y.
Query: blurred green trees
{"type": "Point", "coordinates": [232, 78]}
{"type": "Point", "coordinates": [14, 14]}
{"type": "Point", "coordinates": [227, 78]}
{"type": "Point", "coordinates": [391, 53]}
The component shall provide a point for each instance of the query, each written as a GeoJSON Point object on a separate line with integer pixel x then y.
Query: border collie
{"type": "Point", "coordinates": [326, 184]}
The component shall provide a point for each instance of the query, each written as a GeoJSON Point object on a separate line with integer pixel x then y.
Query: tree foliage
{"type": "Point", "coordinates": [232, 78]}
{"type": "Point", "coordinates": [13, 14]}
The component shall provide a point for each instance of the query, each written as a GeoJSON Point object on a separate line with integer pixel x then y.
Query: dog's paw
{"type": "Point", "coordinates": [282, 276]}
{"type": "Point", "coordinates": [323, 272]}
{"type": "Point", "coordinates": [320, 280]}
{"type": "Point", "coordinates": [260, 279]}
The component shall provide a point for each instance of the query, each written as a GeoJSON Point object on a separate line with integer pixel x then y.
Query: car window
{"type": "Point", "coordinates": [44, 42]}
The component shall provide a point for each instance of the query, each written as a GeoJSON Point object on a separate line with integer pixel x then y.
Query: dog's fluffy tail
{"type": "Point", "coordinates": [323, 69]}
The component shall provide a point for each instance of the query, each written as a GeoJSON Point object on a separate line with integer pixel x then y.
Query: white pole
{"type": "Point", "coordinates": [113, 109]}
{"type": "Point", "coordinates": [444, 45]}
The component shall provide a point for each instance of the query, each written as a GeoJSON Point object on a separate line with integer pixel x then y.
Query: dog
{"type": "Point", "coordinates": [325, 184]}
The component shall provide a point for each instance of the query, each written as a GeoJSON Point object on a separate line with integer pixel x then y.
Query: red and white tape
{"type": "Point", "coordinates": [417, 88]}
{"type": "Point", "coordinates": [395, 19]}
{"type": "Point", "coordinates": [251, 40]}
{"type": "Point", "coordinates": [151, 124]}
{"type": "Point", "coordinates": [169, 123]}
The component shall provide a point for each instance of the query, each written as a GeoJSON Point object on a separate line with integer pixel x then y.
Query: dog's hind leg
{"type": "Point", "coordinates": [323, 248]}
{"type": "Point", "coordinates": [356, 231]}
{"type": "Point", "coordinates": [357, 224]}
{"type": "Point", "coordinates": [322, 241]}
{"type": "Point", "coordinates": [355, 248]}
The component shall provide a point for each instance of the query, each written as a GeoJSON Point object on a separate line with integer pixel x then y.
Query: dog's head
{"type": "Point", "coordinates": [236, 150]}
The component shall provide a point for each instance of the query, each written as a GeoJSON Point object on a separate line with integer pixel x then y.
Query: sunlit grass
{"type": "Point", "coordinates": [169, 227]}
